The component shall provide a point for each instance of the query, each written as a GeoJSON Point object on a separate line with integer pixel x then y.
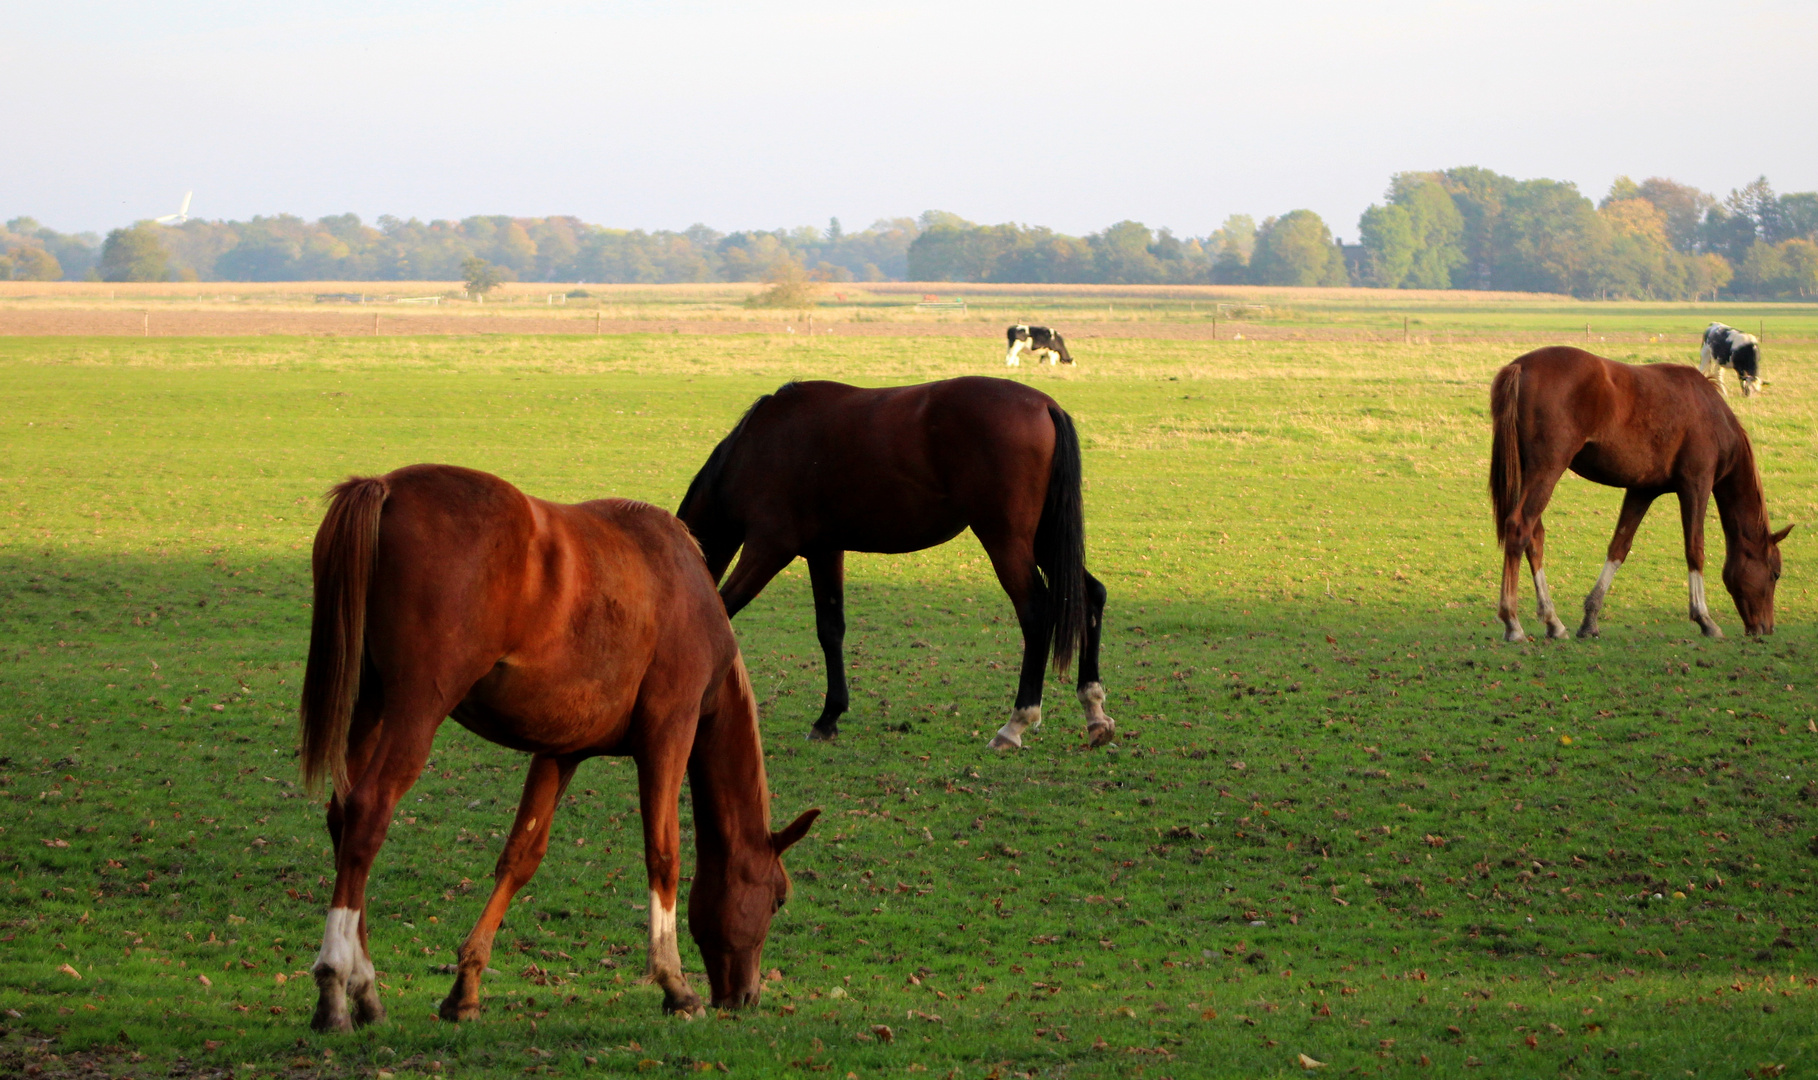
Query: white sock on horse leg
{"type": "Point", "coordinates": [1701, 611]}
{"type": "Point", "coordinates": [1021, 720]}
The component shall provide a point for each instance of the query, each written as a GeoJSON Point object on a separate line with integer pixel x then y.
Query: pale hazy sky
{"type": "Point", "coordinates": [759, 115]}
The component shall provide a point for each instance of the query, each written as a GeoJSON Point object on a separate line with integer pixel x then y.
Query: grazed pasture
{"type": "Point", "coordinates": [1342, 820]}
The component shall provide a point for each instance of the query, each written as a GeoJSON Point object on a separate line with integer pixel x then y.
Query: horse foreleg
{"type": "Point", "coordinates": [660, 772]}
{"type": "Point", "coordinates": [827, 575]}
{"type": "Point", "coordinates": [758, 563]}
{"type": "Point", "coordinates": [1100, 728]}
{"type": "Point", "coordinates": [1634, 507]}
{"type": "Point", "coordinates": [347, 989]}
{"type": "Point", "coordinates": [1691, 515]}
{"type": "Point", "coordinates": [1543, 597]}
{"type": "Point", "coordinates": [524, 851]}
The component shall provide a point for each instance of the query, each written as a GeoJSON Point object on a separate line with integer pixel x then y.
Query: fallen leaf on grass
{"type": "Point", "coordinates": [1308, 1063]}
{"type": "Point", "coordinates": [204, 980]}
{"type": "Point", "coordinates": [70, 971]}
{"type": "Point", "coordinates": [56, 842]}
{"type": "Point", "coordinates": [1209, 1014]}
{"type": "Point", "coordinates": [883, 1033]}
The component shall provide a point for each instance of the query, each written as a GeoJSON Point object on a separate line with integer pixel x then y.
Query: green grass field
{"type": "Point", "coordinates": [1341, 820]}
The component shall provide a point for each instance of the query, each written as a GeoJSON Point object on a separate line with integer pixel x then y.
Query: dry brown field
{"type": "Point", "coordinates": [870, 310]}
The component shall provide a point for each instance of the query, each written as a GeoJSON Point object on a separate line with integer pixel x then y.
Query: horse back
{"type": "Point", "coordinates": [1623, 424]}
{"type": "Point", "coordinates": [888, 469]}
{"type": "Point", "coordinates": [565, 620]}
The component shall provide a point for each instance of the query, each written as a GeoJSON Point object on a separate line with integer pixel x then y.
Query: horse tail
{"type": "Point", "coordinates": [343, 558]}
{"type": "Point", "coordinates": [1060, 542]}
{"type": "Point", "coordinates": [1505, 448]}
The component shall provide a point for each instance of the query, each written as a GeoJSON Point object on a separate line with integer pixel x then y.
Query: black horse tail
{"type": "Point", "coordinates": [1060, 542]}
{"type": "Point", "coordinates": [1505, 449]}
{"type": "Point", "coordinates": [346, 546]}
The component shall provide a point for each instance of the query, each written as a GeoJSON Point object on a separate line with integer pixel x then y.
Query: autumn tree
{"type": "Point", "coordinates": [135, 254]}
{"type": "Point", "coordinates": [1296, 249]}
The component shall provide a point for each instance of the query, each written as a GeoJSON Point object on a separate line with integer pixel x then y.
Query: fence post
{"type": "Point", "coordinates": [1405, 339]}
{"type": "Point", "coordinates": [1215, 324]}
{"type": "Point", "coordinates": [1587, 331]}
{"type": "Point", "coordinates": [146, 326]}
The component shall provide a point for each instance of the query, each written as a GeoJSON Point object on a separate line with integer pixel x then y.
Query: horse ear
{"type": "Point", "coordinates": [795, 830]}
{"type": "Point", "coordinates": [1781, 535]}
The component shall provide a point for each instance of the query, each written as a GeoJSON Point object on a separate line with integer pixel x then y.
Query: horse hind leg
{"type": "Point", "coordinates": [1100, 728]}
{"type": "Point", "coordinates": [1511, 577]}
{"type": "Point", "coordinates": [1027, 713]}
{"type": "Point", "coordinates": [524, 850]}
{"type": "Point", "coordinates": [346, 984]}
{"type": "Point", "coordinates": [1543, 597]}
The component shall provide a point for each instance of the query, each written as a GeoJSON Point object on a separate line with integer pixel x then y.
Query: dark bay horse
{"type": "Point", "coordinates": [563, 631]}
{"type": "Point", "coordinates": [818, 469]}
{"type": "Point", "coordinates": [1651, 430]}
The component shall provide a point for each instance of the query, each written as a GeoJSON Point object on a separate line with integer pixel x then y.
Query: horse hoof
{"type": "Point", "coordinates": [1100, 734]}
{"type": "Point", "coordinates": [454, 1012]}
{"type": "Point", "coordinates": [687, 1007]}
{"type": "Point", "coordinates": [328, 1023]}
{"type": "Point", "coordinates": [817, 733]}
{"type": "Point", "coordinates": [368, 1010]}
{"type": "Point", "coordinates": [1002, 742]}
{"type": "Point", "coordinates": [1589, 631]}
{"type": "Point", "coordinates": [1557, 631]}
{"type": "Point", "coordinates": [1514, 637]}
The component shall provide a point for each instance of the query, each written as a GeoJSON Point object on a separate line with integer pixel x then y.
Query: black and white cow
{"type": "Point", "coordinates": [1728, 347]}
{"type": "Point", "coordinates": [1042, 343]}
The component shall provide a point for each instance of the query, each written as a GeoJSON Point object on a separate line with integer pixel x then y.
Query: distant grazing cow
{"type": "Point", "coordinates": [1042, 343]}
{"type": "Point", "coordinates": [1728, 347]}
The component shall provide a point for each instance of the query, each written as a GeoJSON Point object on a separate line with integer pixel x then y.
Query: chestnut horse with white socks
{"type": "Point", "coordinates": [566, 632]}
{"type": "Point", "coordinates": [1652, 430]}
{"type": "Point", "coordinates": [818, 469]}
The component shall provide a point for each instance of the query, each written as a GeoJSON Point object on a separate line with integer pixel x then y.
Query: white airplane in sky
{"type": "Point", "coordinates": [180, 216]}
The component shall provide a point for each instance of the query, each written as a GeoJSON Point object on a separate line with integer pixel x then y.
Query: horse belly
{"type": "Point", "coordinates": [1602, 465]}
{"type": "Point", "coordinates": [516, 708]}
{"type": "Point", "coordinates": [899, 538]}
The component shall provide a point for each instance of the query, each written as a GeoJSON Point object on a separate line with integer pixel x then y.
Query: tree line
{"type": "Point", "coordinates": [1464, 228]}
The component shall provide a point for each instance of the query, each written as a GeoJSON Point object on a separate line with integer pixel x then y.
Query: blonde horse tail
{"type": "Point", "coordinates": [342, 563]}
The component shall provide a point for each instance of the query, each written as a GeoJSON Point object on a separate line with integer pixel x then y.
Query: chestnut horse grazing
{"type": "Point", "coordinates": [1651, 430]}
{"type": "Point", "coordinates": [818, 469]}
{"type": "Point", "coordinates": [562, 631]}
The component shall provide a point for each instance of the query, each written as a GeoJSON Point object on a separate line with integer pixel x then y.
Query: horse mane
{"type": "Point", "coordinates": [1741, 497]}
{"type": "Point", "coordinates": [708, 478]}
